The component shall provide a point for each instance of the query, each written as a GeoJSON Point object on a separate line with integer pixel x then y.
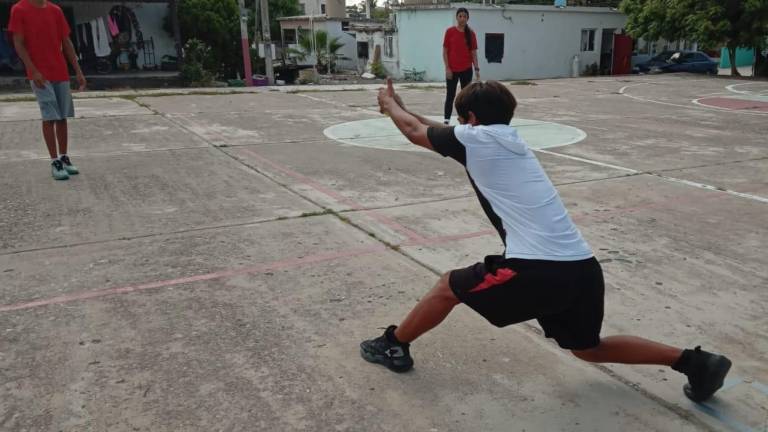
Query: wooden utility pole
{"type": "Point", "coordinates": [267, 40]}
{"type": "Point", "coordinates": [246, 45]}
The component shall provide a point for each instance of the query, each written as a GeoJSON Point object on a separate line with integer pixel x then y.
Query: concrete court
{"type": "Point", "coordinates": [219, 259]}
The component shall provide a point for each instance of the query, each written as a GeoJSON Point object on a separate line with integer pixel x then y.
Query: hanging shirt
{"type": "Point", "coordinates": [44, 30]}
{"type": "Point", "coordinates": [113, 30]}
{"type": "Point", "coordinates": [89, 49]}
{"type": "Point", "coordinates": [514, 191]}
{"type": "Point", "coordinates": [459, 54]}
{"type": "Point", "coordinates": [101, 39]}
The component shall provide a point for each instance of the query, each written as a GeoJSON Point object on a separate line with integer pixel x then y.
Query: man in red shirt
{"type": "Point", "coordinates": [41, 37]}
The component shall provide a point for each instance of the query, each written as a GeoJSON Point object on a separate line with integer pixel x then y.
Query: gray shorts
{"type": "Point", "coordinates": [55, 100]}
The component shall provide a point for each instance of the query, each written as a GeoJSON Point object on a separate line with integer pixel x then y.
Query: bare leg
{"type": "Point", "coordinates": [61, 135]}
{"type": "Point", "coordinates": [428, 313]}
{"type": "Point", "coordinates": [438, 303]}
{"type": "Point", "coordinates": [50, 138]}
{"type": "Point", "coordinates": [630, 350]}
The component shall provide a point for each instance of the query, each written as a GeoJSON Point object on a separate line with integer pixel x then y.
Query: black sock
{"type": "Point", "coordinates": [390, 333]}
{"type": "Point", "coordinates": [683, 364]}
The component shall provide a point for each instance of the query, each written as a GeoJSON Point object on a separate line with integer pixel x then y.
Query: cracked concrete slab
{"type": "Point", "coordinates": [98, 136]}
{"type": "Point", "coordinates": [135, 194]}
{"type": "Point", "coordinates": [84, 108]}
{"type": "Point", "coordinates": [219, 274]}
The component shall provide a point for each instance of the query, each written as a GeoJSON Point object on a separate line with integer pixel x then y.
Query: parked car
{"type": "Point", "coordinates": [642, 63]}
{"type": "Point", "coordinates": [679, 61]}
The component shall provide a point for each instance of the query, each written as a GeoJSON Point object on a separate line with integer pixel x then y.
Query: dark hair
{"type": "Point", "coordinates": [467, 30]}
{"type": "Point", "coordinates": [490, 101]}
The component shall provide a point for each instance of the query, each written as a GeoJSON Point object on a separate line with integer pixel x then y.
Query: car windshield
{"type": "Point", "coordinates": [664, 56]}
{"type": "Point", "coordinates": [688, 58]}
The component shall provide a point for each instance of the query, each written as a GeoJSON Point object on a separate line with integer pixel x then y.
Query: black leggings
{"type": "Point", "coordinates": [465, 77]}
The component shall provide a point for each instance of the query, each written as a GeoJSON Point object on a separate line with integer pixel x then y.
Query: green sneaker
{"type": "Point", "coordinates": [71, 169]}
{"type": "Point", "coordinates": [58, 171]}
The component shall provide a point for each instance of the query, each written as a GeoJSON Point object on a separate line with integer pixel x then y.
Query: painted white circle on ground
{"type": "Point", "coordinates": [749, 88]}
{"type": "Point", "coordinates": [381, 133]}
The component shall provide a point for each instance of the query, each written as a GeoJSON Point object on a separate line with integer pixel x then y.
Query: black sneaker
{"type": "Point", "coordinates": [705, 372]}
{"type": "Point", "coordinates": [386, 350]}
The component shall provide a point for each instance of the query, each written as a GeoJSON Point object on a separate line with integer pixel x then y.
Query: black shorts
{"type": "Point", "coordinates": [566, 297]}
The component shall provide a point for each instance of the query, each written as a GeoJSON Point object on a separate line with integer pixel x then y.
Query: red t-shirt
{"type": "Point", "coordinates": [44, 29]}
{"type": "Point", "coordinates": [459, 54]}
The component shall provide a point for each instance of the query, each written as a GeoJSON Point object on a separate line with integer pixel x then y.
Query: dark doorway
{"type": "Point", "coordinates": [606, 52]}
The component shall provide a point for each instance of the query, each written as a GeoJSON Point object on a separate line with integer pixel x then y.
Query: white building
{"type": "Point", "coordinates": [312, 7]}
{"type": "Point", "coordinates": [514, 41]}
{"type": "Point", "coordinates": [292, 27]}
{"type": "Point", "coordinates": [326, 15]}
{"type": "Point", "coordinates": [369, 35]}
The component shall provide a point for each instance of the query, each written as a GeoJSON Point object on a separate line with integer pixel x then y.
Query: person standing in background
{"type": "Point", "coordinates": [459, 56]}
{"type": "Point", "coordinates": [41, 38]}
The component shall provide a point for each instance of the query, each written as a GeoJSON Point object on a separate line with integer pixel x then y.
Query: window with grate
{"type": "Point", "coordinates": [494, 47]}
{"type": "Point", "coordinates": [588, 40]}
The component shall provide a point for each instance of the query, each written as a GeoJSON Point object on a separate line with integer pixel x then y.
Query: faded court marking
{"type": "Point", "coordinates": [381, 133]}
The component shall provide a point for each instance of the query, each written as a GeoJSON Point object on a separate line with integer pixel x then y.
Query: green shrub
{"type": "Point", "coordinates": [197, 69]}
{"type": "Point", "coordinates": [591, 70]}
{"type": "Point", "coordinates": [378, 70]}
{"type": "Point", "coordinates": [217, 24]}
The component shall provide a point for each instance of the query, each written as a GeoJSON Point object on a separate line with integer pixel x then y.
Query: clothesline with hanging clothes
{"type": "Point", "coordinates": [126, 22]}
{"type": "Point", "coordinates": [93, 39]}
{"type": "Point", "coordinates": [96, 36]}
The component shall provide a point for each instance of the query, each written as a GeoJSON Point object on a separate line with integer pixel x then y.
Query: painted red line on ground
{"type": "Point", "coordinates": [735, 104]}
{"type": "Point", "coordinates": [294, 262]}
{"type": "Point", "coordinates": [275, 265]}
{"type": "Point", "coordinates": [449, 238]}
{"type": "Point", "coordinates": [337, 196]}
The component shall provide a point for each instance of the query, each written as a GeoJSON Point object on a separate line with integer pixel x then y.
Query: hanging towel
{"type": "Point", "coordinates": [113, 30]}
{"type": "Point", "coordinates": [101, 41]}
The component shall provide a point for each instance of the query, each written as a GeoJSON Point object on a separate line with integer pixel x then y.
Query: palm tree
{"type": "Point", "coordinates": [326, 50]}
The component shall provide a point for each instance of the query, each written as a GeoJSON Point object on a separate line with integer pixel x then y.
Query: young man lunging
{"type": "Point", "coordinates": [548, 272]}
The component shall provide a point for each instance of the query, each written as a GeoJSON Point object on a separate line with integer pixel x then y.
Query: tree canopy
{"type": "Point", "coordinates": [711, 23]}
{"type": "Point", "coordinates": [277, 9]}
{"type": "Point", "coordinates": [217, 24]}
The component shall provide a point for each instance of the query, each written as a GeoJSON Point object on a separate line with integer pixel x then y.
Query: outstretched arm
{"type": "Point", "coordinates": [422, 119]}
{"type": "Point", "coordinates": [410, 125]}
{"type": "Point", "coordinates": [428, 122]}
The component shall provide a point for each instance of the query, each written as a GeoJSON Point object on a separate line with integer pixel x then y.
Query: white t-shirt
{"type": "Point", "coordinates": [515, 192]}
